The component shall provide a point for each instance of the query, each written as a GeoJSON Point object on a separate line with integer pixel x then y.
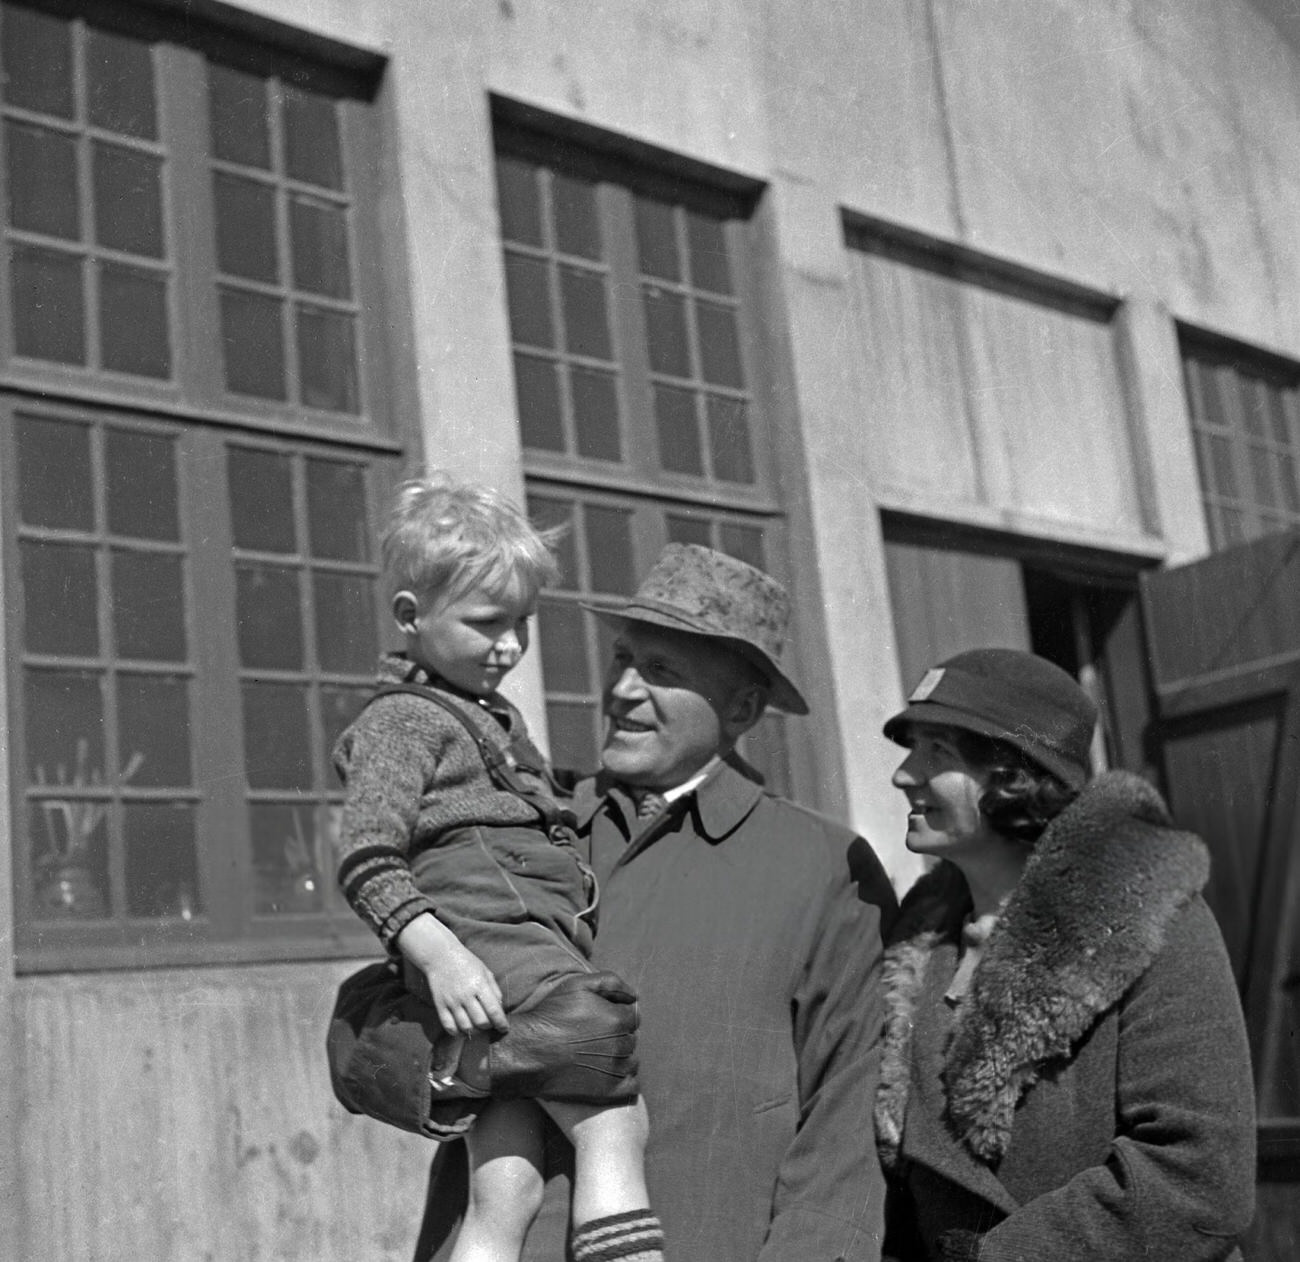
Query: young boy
{"type": "Point", "coordinates": [454, 850]}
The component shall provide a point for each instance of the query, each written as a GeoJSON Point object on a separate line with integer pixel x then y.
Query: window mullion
{"type": "Point", "coordinates": [218, 737]}
{"type": "Point", "coordinates": [182, 75]}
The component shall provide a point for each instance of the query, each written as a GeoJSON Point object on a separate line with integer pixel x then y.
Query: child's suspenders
{"type": "Point", "coordinates": [502, 766]}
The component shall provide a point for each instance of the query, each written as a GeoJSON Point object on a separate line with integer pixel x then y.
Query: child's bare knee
{"type": "Point", "coordinates": [506, 1190]}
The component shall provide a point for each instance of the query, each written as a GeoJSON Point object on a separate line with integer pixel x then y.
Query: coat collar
{"type": "Point", "coordinates": [719, 806]}
{"type": "Point", "coordinates": [1087, 918]}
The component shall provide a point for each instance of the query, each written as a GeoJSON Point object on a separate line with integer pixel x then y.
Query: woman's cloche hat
{"type": "Point", "coordinates": [1018, 698]}
{"type": "Point", "coordinates": [695, 589]}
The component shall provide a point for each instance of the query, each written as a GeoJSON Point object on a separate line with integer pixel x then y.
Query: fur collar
{"type": "Point", "coordinates": [1087, 918]}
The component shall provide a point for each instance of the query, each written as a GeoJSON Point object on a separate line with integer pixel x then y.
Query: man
{"type": "Point", "coordinates": [750, 930]}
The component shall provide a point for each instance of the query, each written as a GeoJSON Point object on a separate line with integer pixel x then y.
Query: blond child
{"type": "Point", "coordinates": [454, 849]}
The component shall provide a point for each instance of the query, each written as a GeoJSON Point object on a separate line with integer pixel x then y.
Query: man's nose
{"type": "Point", "coordinates": [628, 684]}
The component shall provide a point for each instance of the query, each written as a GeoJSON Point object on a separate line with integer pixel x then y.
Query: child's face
{"type": "Point", "coordinates": [472, 640]}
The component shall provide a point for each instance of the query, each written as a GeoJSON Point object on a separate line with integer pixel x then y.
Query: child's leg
{"type": "Point", "coordinates": [611, 1206]}
{"type": "Point", "coordinates": [505, 1182]}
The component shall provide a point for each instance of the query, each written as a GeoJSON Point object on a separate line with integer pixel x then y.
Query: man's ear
{"type": "Point", "coordinates": [405, 611]}
{"type": "Point", "coordinates": [743, 710]}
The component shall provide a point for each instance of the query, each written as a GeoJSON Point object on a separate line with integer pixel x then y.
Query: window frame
{"type": "Point", "coordinates": [204, 420]}
{"type": "Point", "coordinates": [1201, 355]}
{"type": "Point", "coordinates": [620, 172]}
{"type": "Point", "coordinates": [183, 47]}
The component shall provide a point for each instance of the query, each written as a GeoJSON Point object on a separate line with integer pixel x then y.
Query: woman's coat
{"type": "Point", "coordinates": [1091, 1095]}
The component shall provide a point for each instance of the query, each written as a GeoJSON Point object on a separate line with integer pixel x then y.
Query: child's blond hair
{"type": "Point", "coordinates": [445, 537]}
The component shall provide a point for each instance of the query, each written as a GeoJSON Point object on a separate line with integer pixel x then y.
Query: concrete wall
{"type": "Point", "coordinates": [1143, 148]}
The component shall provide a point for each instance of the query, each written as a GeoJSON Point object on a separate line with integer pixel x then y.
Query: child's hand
{"type": "Point", "coordinates": [461, 987]}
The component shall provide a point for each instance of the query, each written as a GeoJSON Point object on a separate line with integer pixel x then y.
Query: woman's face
{"type": "Point", "coordinates": [943, 793]}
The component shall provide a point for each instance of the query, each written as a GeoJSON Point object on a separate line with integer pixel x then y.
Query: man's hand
{"type": "Point", "coordinates": [460, 986]}
{"type": "Point", "coordinates": [575, 1042]}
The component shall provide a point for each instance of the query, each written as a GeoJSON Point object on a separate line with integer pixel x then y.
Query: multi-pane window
{"type": "Point", "coordinates": [91, 263]}
{"type": "Point", "coordinates": [635, 355]}
{"type": "Point", "coordinates": [185, 216]}
{"type": "Point", "coordinates": [194, 620]}
{"type": "Point", "coordinates": [1246, 424]}
{"type": "Point", "coordinates": [191, 603]}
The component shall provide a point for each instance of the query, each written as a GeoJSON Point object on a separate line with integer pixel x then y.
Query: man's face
{"type": "Point", "coordinates": [672, 701]}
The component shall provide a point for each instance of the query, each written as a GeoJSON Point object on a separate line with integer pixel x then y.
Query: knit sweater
{"type": "Point", "coordinates": [412, 773]}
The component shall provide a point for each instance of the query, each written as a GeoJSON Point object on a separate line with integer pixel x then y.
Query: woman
{"type": "Point", "coordinates": [1065, 1070]}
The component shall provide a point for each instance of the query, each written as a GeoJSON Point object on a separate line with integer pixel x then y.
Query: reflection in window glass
{"type": "Point", "coordinates": [338, 524]}
{"type": "Point", "coordinates": [162, 880]}
{"type": "Point", "coordinates": [69, 840]}
{"type": "Point", "coordinates": [345, 623]}
{"type": "Point", "coordinates": [327, 359]}
{"type": "Point", "coordinates": [291, 860]}
{"type": "Point", "coordinates": [269, 617]}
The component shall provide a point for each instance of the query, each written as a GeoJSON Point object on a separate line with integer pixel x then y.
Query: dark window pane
{"type": "Point", "coordinates": [128, 200]}
{"type": "Point", "coordinates": [572, 728]}
{"type": "Point", "coordinates": [49, 308]}
{"type": "Point", "coordinates": [537, 395]}
{"type": "Point", "coordinates": [729, 445]}
{"type": "Point", "coordinates": [710, 268]}
{"type": "Point", "coordinates": [1261, 466]}
{"type": "Point", "coordinates": [1233, 525]}
{"type": "Point", "coordinates": [665, 318]}
{"type": "Point", "coordinates": [162, 878]}
{"type": "Point", "coordinates": [318, 239]}
{"type": "Point", "coordinates": [70, 859]}
{"type": "Point", "coordinates": [245, 211]}
{"type": "Point", "coordinates": [679, 431]}
{"type": "Point", "coordinates": [141, 483]}
{"type": "Point", "coordinates": [1279, 425]}
{"type": "Point", "coordinates": [528, 293]}
{"type": "Point", "coordinates": [1224, 478]}
{"type": "Point", "coordinates": [337, 523]}
{"type": "Point", "coordinates": [595, 414]}
{"type": "Point", "coordinates": [1254, 405]}
{"type": "Point", "coordinates": [133, 321]}
{"type": "Point", "coordinates": [261, 500]}
{"type": "Point", "coordinates": [546, 514]}
{"type": "Point", "coordinates": [520, 205]}
{"type": "Point", "coordinates": [656, 240]}
{"type": "Point", "coordinates": [153, 720]}
{"type": "Point", "coordinates": [269, 617]}
{"type": "Point", "coordinates": [327, 360]}
{"type": "Point", "coordinates": [311, 139]}
{"type": "Point", "coordinates": [119, 78]}
{"type": "Point", "coordinates": [609, 549]}
{"type": "Point", "coordinates": [292, 864]}
{"type": "Point", "coordinates": [276, 748]}
{"type": "Point", "coordinates": [688, 530]}
{"type": "Point", "coordinates": [253, 343]}
{"type": "Point", "coordinates": [563, 638]}
{"type": "Point", "coordinates": [148, 606]}
{"type": "Point", "coordinates": [65, 728]}
{"type": "Point", "coordinates": [577, 225]}
{"type": "Point", "coordinates": [345, 623]}
{"type": "Point", "coordinates": [745, 543]}
{"type": "Point", "coordinates": [54, 479]}
{"type": "Point", "coordinates": [37, 61]}
{"type": "Point", "coordinates": [60, 597]}
{"type": "Point", "coordinates": [237, 117]}
{"type": "Point", "coordinates": [719, 345]}
{"type": "Point", "coordinates": [586, 325]}
{"type": "Point", "coordinates": [339, 706]}
{"type": "Point", "coordinates": [1286, 478]}
{"type": "Point", "coordinates": [42, 181]}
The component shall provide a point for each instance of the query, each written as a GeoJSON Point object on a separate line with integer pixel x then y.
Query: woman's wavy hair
{"type": "Point", "coordinates": [1020, 798]}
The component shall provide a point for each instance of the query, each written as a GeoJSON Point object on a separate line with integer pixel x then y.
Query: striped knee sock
{"type": "Point", "coordinates": [632, 1237]}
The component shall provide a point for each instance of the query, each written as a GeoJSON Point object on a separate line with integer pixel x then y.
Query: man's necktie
{"type": "Point", "coordinates": [648, 803]}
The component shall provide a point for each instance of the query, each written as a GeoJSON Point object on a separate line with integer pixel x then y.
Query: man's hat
{"type": "Point", "coordinates": [1018, 698]}
{"type": "Point", "coordinates": [695, 589]}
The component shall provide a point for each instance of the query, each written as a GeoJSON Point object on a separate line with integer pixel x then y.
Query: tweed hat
{"type": "Point", "coordinates": [695, 589]}
{"type": "Point", "coordinates": [1018, 698]}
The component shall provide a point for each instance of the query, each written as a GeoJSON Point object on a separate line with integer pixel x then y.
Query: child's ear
{"type": "Point", "coordinates": [405, 611]}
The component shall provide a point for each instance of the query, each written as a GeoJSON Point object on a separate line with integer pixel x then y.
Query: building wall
{"type": "Point", "coordinates": [1143, 150]}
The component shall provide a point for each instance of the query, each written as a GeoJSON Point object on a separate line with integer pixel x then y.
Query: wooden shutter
{"type": "Point", "coordinates": [1225, 643]}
